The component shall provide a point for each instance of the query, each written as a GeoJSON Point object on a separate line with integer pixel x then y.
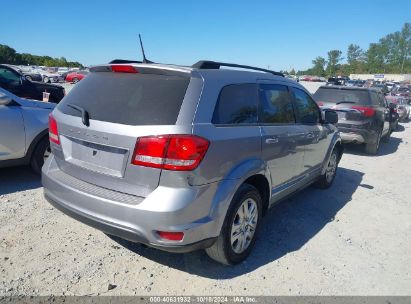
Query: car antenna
{"type": "Point", "coordinates": [145, 60]}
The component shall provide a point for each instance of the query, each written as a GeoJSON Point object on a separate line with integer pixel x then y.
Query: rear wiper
{"type": "Point", "coordinates": [345, 102]}
{"type": "Point", "coordinates": [84, 114]}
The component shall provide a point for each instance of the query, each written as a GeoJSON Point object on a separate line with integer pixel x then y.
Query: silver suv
{"type": "Point", "coordinates": [186, 158]}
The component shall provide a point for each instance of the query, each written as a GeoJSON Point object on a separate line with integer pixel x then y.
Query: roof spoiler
{"type": "Point", "coordinates": [205, 64]}
{"type": "Point", "coordinates": [119, 61]}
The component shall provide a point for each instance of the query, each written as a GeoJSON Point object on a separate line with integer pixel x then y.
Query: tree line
{"type": "Point", "coordinates": [9, 55]}
{"type": "Point", "coordinates": [390, 55]}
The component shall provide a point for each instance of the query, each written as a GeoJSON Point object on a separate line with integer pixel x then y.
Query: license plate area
{"type": "Point", "coordinates": [103, 159]}
{"type": "Point", "coordinates": [341, 115]}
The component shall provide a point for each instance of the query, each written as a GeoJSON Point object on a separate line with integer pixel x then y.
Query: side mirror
{"type": "Point", "coordinates": [4, 99]}
{"type": "Point", "coordinates": [330, 117]}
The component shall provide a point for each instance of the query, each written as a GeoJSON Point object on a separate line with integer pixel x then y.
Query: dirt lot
{"type": "Point", "coordinates": [353, 239]}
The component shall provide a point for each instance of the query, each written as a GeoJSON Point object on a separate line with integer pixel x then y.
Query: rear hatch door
{"type": "Point", "coordinates": [347, 102]}
{"type": "Point", "coordinates": [97, 147]}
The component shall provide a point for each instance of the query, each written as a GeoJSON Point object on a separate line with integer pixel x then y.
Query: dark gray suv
{"type": "Point", "coordinates": [364, 115]}
{"type": "Point", "coordinates": [186, 158]}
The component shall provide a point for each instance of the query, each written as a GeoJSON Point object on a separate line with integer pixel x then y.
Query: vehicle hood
{"type": "Point", "coordinates": [37, 104]}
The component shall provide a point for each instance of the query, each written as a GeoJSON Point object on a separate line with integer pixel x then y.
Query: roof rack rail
{"type": "Point", "coordinates": [123, 61]}
{"type": "Point", "coordinates": [205, 64]}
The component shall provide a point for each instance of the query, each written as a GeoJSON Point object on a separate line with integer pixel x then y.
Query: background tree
{"type": "Point", "coordinates": [391, 54]}
{"type": "Point", "coordinates": [319, 66]}
{"type": "Point", "coordinates": [334, 57]}
{"type": "Point", "coordinates": [10, 56]}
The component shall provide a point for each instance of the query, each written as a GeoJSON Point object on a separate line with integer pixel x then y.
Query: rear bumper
{"type": "Point", "coordinates": [138, 222]}
{"type": "Point", "coordinates": [124, 232]}
{"type": "Point", "coordinates": [357, 135]}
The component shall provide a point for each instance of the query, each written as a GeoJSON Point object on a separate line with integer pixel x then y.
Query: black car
{"type": "Point", "coordinates": [17, 83]}
{"type": "Point", "coordinates": [32, 76]}
{"type": "Point", "coordinates": [364, 116]}
{"type": "Point", "coordinates": [341, 80]}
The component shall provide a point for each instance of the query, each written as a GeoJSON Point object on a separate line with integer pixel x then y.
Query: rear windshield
{"type": "Point", "coordinates": [131, 99]}
{"type": "Point", "coordinates": [341, 95]}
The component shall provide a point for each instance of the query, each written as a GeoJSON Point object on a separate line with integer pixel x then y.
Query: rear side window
{"type": "Point", "coordinates": [374, 99]}
{"type": "Point", "coordinates": [307, 111]}
{"type": "Point", "coordinates": [237, 104]}
{"type": "Point", "coordinates": [341, 95]}
{"type": "Point", "coordinates": [276, 105]}
{"type": "Point", "coordinates": [131, 99]}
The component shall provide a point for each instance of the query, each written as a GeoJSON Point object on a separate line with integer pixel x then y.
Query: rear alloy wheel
{"type": "Point", "coordinates": [372, 148]}
{"type": "Point", "coordinates": [241, 224]}
{"type": "Point", "coordinates": [326, 179]}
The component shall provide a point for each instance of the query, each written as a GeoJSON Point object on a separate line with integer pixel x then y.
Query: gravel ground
{"type": "Point", "coordinates": [353, 239]}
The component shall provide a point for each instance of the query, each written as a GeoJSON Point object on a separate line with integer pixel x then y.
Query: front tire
{"type": "Point", "coordinates": [240, 227]}
{"type": "Point", "coordinates": [40, 154]}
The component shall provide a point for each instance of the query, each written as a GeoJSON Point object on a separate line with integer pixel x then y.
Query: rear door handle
{"type": "Point", "coordinates": [271, 140]}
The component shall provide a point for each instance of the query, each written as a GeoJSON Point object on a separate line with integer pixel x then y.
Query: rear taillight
{"type": "Point", "coordinates": [53, 130]}
{"type": "Point", "coordinates": [124, 69]}
{"type": "Point", "coordinates": [367, 112]}
{"type": "Point", "coordinates": [170, 152]}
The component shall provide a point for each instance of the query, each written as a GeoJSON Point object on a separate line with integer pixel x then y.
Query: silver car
{"type": "Point", "coordinates": [23, 131]}
{"type": "Point", "coordinates": [186, 158]}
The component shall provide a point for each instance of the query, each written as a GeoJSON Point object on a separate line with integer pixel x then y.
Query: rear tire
{"type": "Point", "coordinates": [372, 148]}
{"type": "Point", "coordinates": [40, 154]}
{"type": "Point", "coordinates": [325, 181]}
{"type": "Point", "coordinates": [240, 226]}
{"type": "Point", "coordinates": [386, 138]}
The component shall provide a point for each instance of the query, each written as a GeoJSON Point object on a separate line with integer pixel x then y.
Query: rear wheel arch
{"type": "Point", "coordinates": [261, 183]}
{"type": "Point", "coordinates": [32, 147]}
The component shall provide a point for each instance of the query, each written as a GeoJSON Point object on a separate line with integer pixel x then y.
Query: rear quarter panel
{"type": "Point", "coordinates": [35, 122]}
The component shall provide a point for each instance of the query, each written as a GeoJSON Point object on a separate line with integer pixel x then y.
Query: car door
{"type": "Point", "coordinates": [12, 134]}
{"type": "Point", "coordinates": [281, 148]}
{"type": "Point", "coordinates": [315, 135]}
{"type": "Point", "coordinates": [10, 80]}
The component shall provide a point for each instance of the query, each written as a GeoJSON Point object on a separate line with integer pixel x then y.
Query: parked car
{"type": "Point", "coordinates": [340, 80]}
{"type": "Point", "coordinates": [18, 84]}
{"type": "Point", "coordinates": [32, 76]}
{"type": "Point", "coordinates": [23, 131]}
{"type": "Point", "coordinates": [75, 77]}
{"type": "Point", "coordinates": [64, 75]}
{"type": "Point", "coordinates": [364, 116]}
{"type": "Point", "coordinates": [402, 91]}
{"type": "Point", "coordinates": [354, 83]}
{"type": "Point", "coordinates": [402, 107]}
{"type": "Point", "coordinates": [382, 87]}
{"type": "Point", "coordinates": [195, 170]}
